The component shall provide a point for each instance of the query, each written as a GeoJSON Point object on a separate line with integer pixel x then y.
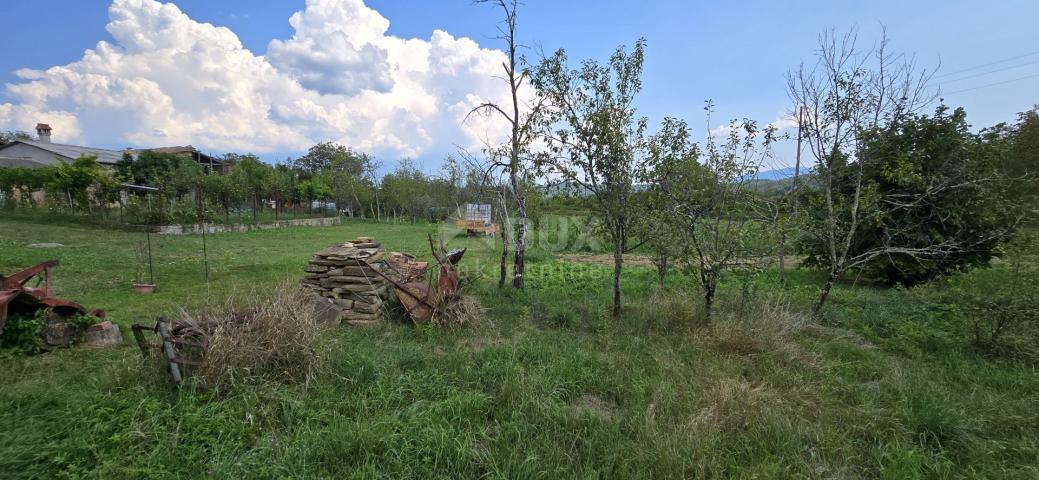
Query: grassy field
{"type": "Point", "coordinates": [885, 386]}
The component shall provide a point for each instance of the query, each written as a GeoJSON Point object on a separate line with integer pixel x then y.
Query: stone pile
{"type": "Point", "coordinates": [344, 278]}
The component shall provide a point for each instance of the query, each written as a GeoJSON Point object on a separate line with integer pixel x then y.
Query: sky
{"type": "Point", "coordinates": [396, 78]}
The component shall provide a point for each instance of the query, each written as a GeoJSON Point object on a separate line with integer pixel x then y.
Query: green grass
{"type": "Point", "coordinates": [885, 387]}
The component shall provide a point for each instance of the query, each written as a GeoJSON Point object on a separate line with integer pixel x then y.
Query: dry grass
{"type": "Point", "coordinates": [757, 326]}
{"type": "Point", "coordinates": [732, 405]}
{"type": "Point", "coordinates": [273, 337]}
{"type": "Point", "coordinates": [463, 311]}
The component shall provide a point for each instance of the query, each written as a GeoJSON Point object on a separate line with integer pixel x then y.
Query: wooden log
{"type": "Point", "coordinates": [171, 354]}
{"type": "Point", "coordinates": [142, 343]}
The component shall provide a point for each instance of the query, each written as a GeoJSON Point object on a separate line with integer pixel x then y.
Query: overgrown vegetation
{"type": "Point", "coordinates": [890, 385]}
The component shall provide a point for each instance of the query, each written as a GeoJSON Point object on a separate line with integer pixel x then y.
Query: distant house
{"type": "Point", "coordinates": [39, 153]}
{"type": "Point", "coordinates": [206, 161]}
{"type": "Point", "coordinates": [42, 152]}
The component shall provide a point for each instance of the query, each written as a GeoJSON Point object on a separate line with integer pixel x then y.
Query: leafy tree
{"type": "Point", "coordinates": [1023, 159]}
{"type": "Point", "coordinates": [328, 156]}
{"type": "Point", "coordinates": [347, 173]}
{"type": "Point", "coordinates": [846, 94]}
{"type": "Point", "coordinates": [148, 167]}
{"type": "Point", "coordinates": [283, 186]}
{"type": "Point", "coordinates": [312, 190]}
{"type": "Point", "coordinates": [72, 180]}
{"type": "Point", "coordinates": [225, 190]}
{"type": "Point", "coordinates": [706, 195]}
{"type": "Point", "coordinates": [594, 138]}
{"type": "Point", "coordinates": [253, 177]}
{"type": "Point", "coordinates": [930, 181]}
{"type": "Point", "coordinates": [19, 183]}
{"type": "Point", "coordinates": [407, 190]}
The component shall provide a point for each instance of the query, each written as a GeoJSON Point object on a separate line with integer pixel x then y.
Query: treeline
{"type": "Point", "coordinates": [331, 179]}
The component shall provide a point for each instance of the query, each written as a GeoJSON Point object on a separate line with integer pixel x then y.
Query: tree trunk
{"type": "Point", "coordinates": [504, 243]}
{"type": "Point", "coordinates": [708, 304]}
{"type": "Point", "coordinates": [504, 260]}
{"type": "Point", "coordinates": [519, 265]}
{"type": "Point", "coordinates": [661, 270]}
{"type": "Point", "coordinates": [618, 261]}
{"type": "Point", "coordinates": [825, 292]}
{"type": "Point", "coordinates": [162, 207]}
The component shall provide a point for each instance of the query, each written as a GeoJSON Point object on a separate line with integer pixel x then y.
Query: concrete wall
{"type": "Point", "coordinates": [210, 228]}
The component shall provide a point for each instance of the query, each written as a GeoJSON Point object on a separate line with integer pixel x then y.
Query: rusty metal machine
{"type": "Point", "coordinates": [17, 298]}
{"type": "Point", "coordinates": [420, 299]}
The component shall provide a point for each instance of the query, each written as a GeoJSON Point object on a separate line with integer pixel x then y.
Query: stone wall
{"type": "Point", "coordinates": [245, 227]}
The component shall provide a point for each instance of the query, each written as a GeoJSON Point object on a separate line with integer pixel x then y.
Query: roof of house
{"type": "Point", "coordinates": [73, 152]}
{"type": "Point", "coordinates": [13, 162]}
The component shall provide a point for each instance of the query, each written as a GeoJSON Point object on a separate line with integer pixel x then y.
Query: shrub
{"type": "Point", "coordinates": [23, 334]}
{"type": "Point", "coordinates": [1002, 303]}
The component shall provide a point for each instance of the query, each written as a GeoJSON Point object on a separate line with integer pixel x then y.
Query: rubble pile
{"type": "Point", "coordinates": [344, 277]}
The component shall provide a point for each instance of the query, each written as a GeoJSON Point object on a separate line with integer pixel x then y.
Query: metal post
{"type": "Point", "coordinates": [205, 253]}
{"type": "Point", "coordinates": [151, 266]}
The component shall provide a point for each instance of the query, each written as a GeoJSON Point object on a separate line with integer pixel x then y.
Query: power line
{"type": "Point", "coordinates": [982, 74]}
{"type": "Point", "coordinates": [987, 64]}
{"type": "Point", "coordinates": [994, 84]}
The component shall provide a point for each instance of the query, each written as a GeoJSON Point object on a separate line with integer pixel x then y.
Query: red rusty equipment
{"type": "Point", "coordinates": [422, 300]}
{"type": "Point", "coordinates": [16, 298]}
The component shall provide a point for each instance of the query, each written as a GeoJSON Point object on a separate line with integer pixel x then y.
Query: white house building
{"type": "Point", "coordinates": [43, 152]}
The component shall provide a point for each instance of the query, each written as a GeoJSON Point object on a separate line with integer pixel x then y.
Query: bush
{"type": "Point", "coordinates": [1001, 304]}
{"type": "Point", "coordinates": [23, 334]}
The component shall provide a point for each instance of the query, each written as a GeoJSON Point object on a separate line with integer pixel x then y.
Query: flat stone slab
{"type": "Point", "coordinates": [46, 245]}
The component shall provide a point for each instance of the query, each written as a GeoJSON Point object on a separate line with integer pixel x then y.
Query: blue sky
{"type": "Point", "coordinates": [735, 53]}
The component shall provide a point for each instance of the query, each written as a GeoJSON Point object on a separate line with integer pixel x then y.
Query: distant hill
{"type": "Point", "coordinates": [775, 182]}
{"type": "Point", "coordinates": [778, 174]}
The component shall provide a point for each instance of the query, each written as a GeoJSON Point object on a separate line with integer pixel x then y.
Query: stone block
{"type": "Point", "coordinates": [104, 334]}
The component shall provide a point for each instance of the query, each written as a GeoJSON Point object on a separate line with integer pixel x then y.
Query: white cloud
{"type": "Point", "coordinates": [167, 79]}
{"type": "Point", "coordinates": [782, 122]}
{"type": "Point", "coordinates": [335, 49]}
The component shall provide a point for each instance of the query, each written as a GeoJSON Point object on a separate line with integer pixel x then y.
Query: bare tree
{"type": "Point", "coordinates": [846, 93]}
{"type": "Point", "coordinates": [595, 140]}
{"type": "Point", "coordinates": [522, 125]}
